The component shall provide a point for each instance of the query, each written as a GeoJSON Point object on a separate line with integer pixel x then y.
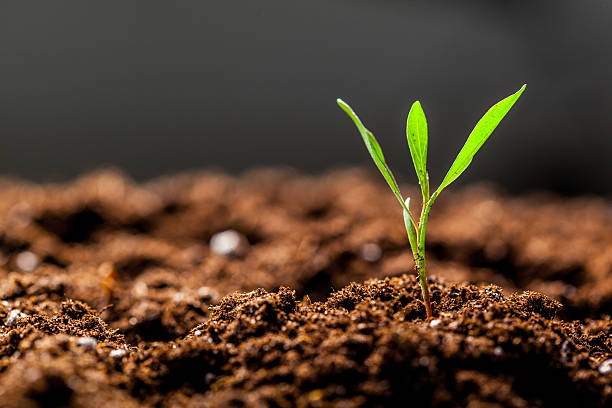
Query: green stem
{"type": "Point", "coordinates": [424, 218]}
{"type": "Point", "coordinates": [422, 271]}
{"type": "Point", "coordinates": [420, 258]}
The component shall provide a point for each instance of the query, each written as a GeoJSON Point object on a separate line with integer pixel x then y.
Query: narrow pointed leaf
{"type": "Point", "coordinates": [416, 133]}
{"type": "Point", "coordinates": [374, 150]}
{"type": "Point", "coordinates": [410, 230]}
{"type": "Point", "coordinates": [483, 129]}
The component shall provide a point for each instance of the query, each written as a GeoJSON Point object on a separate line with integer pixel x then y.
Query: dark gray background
{"type": "Point", "coordinates": [158, 87]}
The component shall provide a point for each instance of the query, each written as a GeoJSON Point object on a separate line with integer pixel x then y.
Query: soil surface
{"type": "Point", "coordinates": [274, 289]}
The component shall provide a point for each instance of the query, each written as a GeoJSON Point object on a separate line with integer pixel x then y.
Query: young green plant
{"type": "Point", "coordinates": [416, 133]}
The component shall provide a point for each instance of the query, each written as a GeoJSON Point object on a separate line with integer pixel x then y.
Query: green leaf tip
{"type": "Point", "coordinates": [374, 149]}
{"type": "Point", "coordinates": [483, 129]}
{"type": "Point", "coordinates": [416, 133]}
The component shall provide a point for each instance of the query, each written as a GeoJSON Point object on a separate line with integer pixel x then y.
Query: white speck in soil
{"type": "Point", "coordinates": [435, 322]}
{"type": "Point", "coordinates": [117, 353]}
{"type": "Point", "coordinates": [371, 252]}
{"type": "Point", "coordinates": [197, 333]}
{"type": "Point", "coordinates": [5, 303]}
{"type": "Point", "coordinates": [494, 294]}
{"type": "Point", "coordinates": [605, 367]}
{"type": "Point", "coordinates": [229, 243]}
{"type": "Point", "coordinates": [133, 321]}
{"type": "Point", "coordinates": [27, 261]}
{"type": "Point", "coordinates": [178, 297]}
{"type": "Point", "coordinates": [498, 351]}
{"type": "Point", "coordinates": [566, 349]}
{"type": "Point", "coordinates": [13, 315]}
{"type": "Point", "coordinates": [140, 289]}
{"type": "Point", "coordinates": [207, 293]}
{"type": "Point", "coordinates": [88, 343]}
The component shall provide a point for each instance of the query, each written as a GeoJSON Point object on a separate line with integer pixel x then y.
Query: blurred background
{"type": "Point", "coordinates": [158, 87]}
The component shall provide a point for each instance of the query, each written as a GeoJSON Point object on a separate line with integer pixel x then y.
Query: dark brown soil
{"type": "Point", "coordinates": [112, 296]}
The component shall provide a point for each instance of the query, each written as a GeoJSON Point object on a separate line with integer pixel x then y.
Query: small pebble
{"type": "Point", "coordinates": [13, 315]}
{"type": "Point", "coordinates": [371, 252]}
{"type": "Point", "coordinates": [197, 333]}
{"type": "Point", "coordinates": [229, 243]}
{"type": "Point", "coordinates": [27, 261]}
{"type": "Point", "coordinates": [117, 353]}
{"type": "Point", "coordinates": [435, 322]}
{"type": "Point", "coordinates": [88, 343]}
{"type": "Point", "coordinates": [498, 351]}
{"type": "Point", "coordinates": [605, 367]}
{"type": "Point", "coordinates": [178, 297]}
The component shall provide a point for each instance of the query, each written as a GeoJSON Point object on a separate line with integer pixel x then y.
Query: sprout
{"type": "Point", "coordinates": [416, 133]}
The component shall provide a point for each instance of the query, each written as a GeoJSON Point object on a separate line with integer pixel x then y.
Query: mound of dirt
{"type": "Point", "coordinates": [367, 345]}
{"type": "Point", "coordinates": [113, 295]}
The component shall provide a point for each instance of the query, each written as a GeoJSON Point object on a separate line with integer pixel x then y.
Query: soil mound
{"type": "Point", "coordinates": [367, 345]}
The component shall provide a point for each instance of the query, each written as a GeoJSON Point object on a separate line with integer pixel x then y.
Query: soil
{"type": "Point", "coordinates": [114, 295]}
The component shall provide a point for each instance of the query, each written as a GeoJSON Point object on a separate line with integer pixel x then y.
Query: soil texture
{"type": "Point", "coordinates": [275, 289]}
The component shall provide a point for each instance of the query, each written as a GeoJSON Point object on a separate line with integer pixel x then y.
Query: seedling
{"type": "Point", "coordinates": [416, 133]}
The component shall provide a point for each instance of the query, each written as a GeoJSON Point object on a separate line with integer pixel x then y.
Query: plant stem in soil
{"type": "Point", "coordinates": [416, 236]}
{"type": "Point", "coordinates": [420, 258]}
{"type": "Point", "coordinates": [422, 272]}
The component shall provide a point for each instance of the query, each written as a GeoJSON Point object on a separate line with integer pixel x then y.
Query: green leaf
{"type": "Point", "coordinates": [374, 150]}
{"type": "Point", "coordinates": [483, 129]}
{"type": "Point", "coordinates": [410, 230]}
{"type": "Point", "coordinates": [416, 133]}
